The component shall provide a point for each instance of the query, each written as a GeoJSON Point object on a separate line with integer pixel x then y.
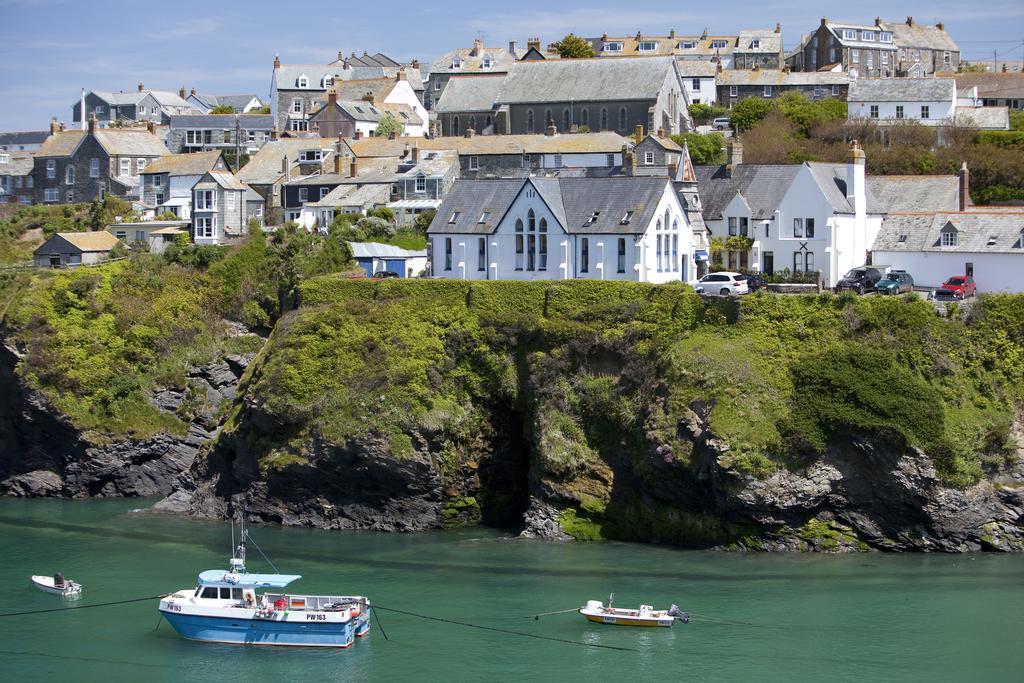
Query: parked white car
{"type": "Point", "coordinates": [724, 283]}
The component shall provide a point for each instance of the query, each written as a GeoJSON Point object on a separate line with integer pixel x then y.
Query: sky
{"type": "Point", "coordinates": [50, 49]}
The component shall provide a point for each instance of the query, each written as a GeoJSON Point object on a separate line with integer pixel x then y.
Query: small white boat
{"type": "Point", "coordinates": [596, 612]}
{"type": "Point", "coordinates": [57, 584]}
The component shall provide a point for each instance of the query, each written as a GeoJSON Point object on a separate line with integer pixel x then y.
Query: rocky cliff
{"type": "Point", "coordinates": [608, 410]}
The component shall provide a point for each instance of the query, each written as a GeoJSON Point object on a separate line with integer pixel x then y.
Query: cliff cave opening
{"type": "Point", "coordinates": [504, 474]}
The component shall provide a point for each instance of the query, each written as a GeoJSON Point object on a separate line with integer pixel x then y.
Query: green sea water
{"type": "Point", "coordinates": [755, 617]}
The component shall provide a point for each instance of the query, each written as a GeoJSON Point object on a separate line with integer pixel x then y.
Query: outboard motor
{"type": "Point", "coordinates": [673, 611]}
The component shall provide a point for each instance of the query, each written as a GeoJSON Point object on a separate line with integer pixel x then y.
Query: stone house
{"type": "Point", "coordinates": [277, 163]}
{"type": "Point", "coordinates": [205, 132]}
{"type": "Point", "coordinates": [928, 101]}
{"type": "Point", "coordinates": [74, 249]}
{"type": "Point", "coordinates": [79, 166]}
{"type": "Point", "coordinates": [467, 61]}
{"type": "Point", "coordinates": [395, 96]}
{"type": "Point", "coordinates": [734, 85]}
{"type": "Point", "coordinates": [16, 181]}
{"type": "Point", "coordinates": [623, 228]}
{"type": "Point", "coordinates": [222, 207]}
{"type": "Point", "coordinates": [25, 141]}
{"type": "Point", "coordinates": [142, 105]}
{"type": "Point", "coordinates": [861, 50]}
{"type": "Point", "coordinates": [923, 50]}
{"type": "Point", "coordinates": [166, 184]}
{"type": "Point", "coordinates": [242, 104]}
{"type": "Point", "coordinates": [599, 94]}
{"type": "Point", "coordinates": [994, 89]}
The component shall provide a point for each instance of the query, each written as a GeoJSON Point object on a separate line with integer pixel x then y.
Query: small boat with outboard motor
{"type": "Point", "coordinates": [596, 612]}
{"type": "Point", "coordinates": [57, 584]}
{"type": "Point", "coordinates": [235, 607]}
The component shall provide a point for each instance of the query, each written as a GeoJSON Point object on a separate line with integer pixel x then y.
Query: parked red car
{"type": "Point", "coordinates": [956, 287]}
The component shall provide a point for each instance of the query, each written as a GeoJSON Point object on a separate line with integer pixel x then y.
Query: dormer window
{"type": "Point", "coordinates": [687, 44]}
{"type": "Point", "coordinates": [454, 218]}
{"type": "Point", "coordinates": [885, 37]}
{"type": "Point", "coordinates": [755, 44]}
{"type": "Point", "coordinates": [867, 36]}
{"type": "Point", "coordinates": [613, 47]}
{"type": "Point", "coordinates": [488, 62]}
{"type": "Point", "coordinates": [718, 44]}
{"type": "Point", "coordinates": [456, 63]}
{"type": "Point", "coordinates": [310, 155]}
{"type": "Point", "coordinates": [992, 239]}
{"type": "Point", "coordinates": [949, 236]}
{"type": "Point", "coordinates": [626, 218]}
{"type": "Point", "coordinates": [647, 46]}
{"type": "Point", "coordinates": [484, 217]}
{"type": "Point", "coordinates": [849, 34]}
{"type": "Point", "coordinates": [302, 81]}
{"type": "Point", "coordinates": [903, 238]}
{"type": "Point", "coordinates": [593, 218]}
{"type": "Point", "coordinates": [326, 81]}
{"type": "Point", "coordinates": [1019, 244]}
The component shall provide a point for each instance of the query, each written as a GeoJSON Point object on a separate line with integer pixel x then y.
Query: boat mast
{"type": "Point", "coordinates": [238, 555]}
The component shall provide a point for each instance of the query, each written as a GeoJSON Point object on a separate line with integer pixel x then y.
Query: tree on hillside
{"type": "Point", "coordinates": [573, 47]}
{"type": "Point", "coordinates": [704, 149]}
{"type": "Point", "coordinates": [423, 220]}
{"type": "Point", "coordinates": [749, 112]}
{"type": "Point", "coordinates": [388, 125]}
{"type": "Point", "coordinates": [223, 109]}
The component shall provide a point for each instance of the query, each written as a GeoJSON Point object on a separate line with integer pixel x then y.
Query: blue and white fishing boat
{"type": "Point", "coordinates": [235, 607]}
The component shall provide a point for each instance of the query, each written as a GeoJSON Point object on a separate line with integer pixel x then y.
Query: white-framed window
{"type": "Point", "coordinates": [899, 111]}
{"type": "Point", "coordinates": [609, 160]}
{"type": "Point", "coordinates": [718, 44]}
{"type": "Point", "coordinates": [647, 46]}
{"type": "Point", "coordinates": [140, 165]}
{"type": "Point", "coordinates": [252, 135]}
{"type": "Point", "coordinates": [867, 36]}
{"type": "Point", "coordinates": [870, 56]}
{"type": "Point", "coordinates": [298, 125]}
{"type": "Point", "coordinates": [767, 91]}
{"type": "Point", "coordinates": [99, 109]}
{"type": "Point", "coordinates": [798, 227]}
{"type": "Point", "coordinates": [687, 44]}
{"type": "Point", "coordinates": [311, 155]}
{"type": "Point", "coordinates": [456, 63]}
{"type": "Point", "coordinates": [51, 169]}
{"type": "Point", "coordinates": [421, 183]}
{"type": "Point", "coordinates": [474, 163]}
{"type": "Point", "coordinates": [648, 158]}
{"type": "Point", "coordinates": [487, 62]}
{"type": "Point", "coordinates": [50, 194]}
{"type": "Point", "coordinates": [855, 56]}
{"type": "Point", "coordinates": [454, 217]}
{"type": "Point", "coordinates": [484, 217]}
{"type": "Point", "coordinates": [230, 200]}
{"type": "Point", "coordinates": [885, 58]}
{"type": "Point", "coordinates": [945, 57]}
{"type": "Point", "coordinates": [69, 196]}
{"type": "Point", "coordinates": [437, 85]}
{"type": "Point", "coordinates": [873, 111]}
{"type": "Point", "coordinates": [303, 194]}
{"type": "Point", "coordinates": [206, 200]}
{"type": "Point", "coordinates": [94, 168]}
{"type": "Point", "coordinates": [296, 105]}
{"type": "Point", "coordinates": [734, 90]}
{"type": "Point", "coordinates": [819, 91]}
{"type": "Point", "coordinates": [950, 238]}
{"type": "Point", "coordinates": [924, 111]}
{"type": "Point", "coordinates": [326, 81]}
{"type": "Point", "coordinates": [613, 47]}
{"type": "Point", "coordinates": [206, 226]}
{"type": "Point", "coordinates": [849, 34]}
{"type": "Point", "coordinates": [695, 85]}
{"type": "Point", "coordinates": [835, 91]}
{"type": "Point", "coordinates": [69, 175]}
{"type": "Point", "coordinates": [126, 167]}
{"type": "Point", "coordinates": [157, 180]}
{"type": "Point", "coordinates": [302, 81]}
{"type": "Point", "coordinates": [755, 44]}
{"type": "Point", "coordinates": [885, 37]}
{"type": "Point", "coordinates": [809, 228]}
{"type": "Point", "coordinates": [121, 234]}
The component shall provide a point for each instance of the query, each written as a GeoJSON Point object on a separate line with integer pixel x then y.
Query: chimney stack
{"type": "Point", "coordinates": [92, 124]}
{"type": "Point", "coordinates": [470, 132]}
{"type": "Point", "coordinates": [638, 134]}
{"type": "Point", "coordinates": [277, 62]}
{"type": "Point", "coordinates": [661, 133]}
{"type": "Point", "coordinates": [415, 64]}
{"type": "Point", "coordinates": [824, 21]}
{"type": "Point", "coordinates": [354, 168]}
{"type": "Point", "coordinates": [181, 92]}
{"type": "Point", "coordinates": [878, 22]}
{"type": "Point", "coordinates": [141, 87]}
{"type": "Point", "coordinates": [414, 154]}
{"type": "Point", "coordinates": [965, 187]}
{"type": "Point", "coordinates": [533, 43]}
{"type": "Point", "coordinates": [401, 75]}
{"type": "Point", "coordinates": [478, 48]}
{"type": "Point", "coordinates": [286, 169]}
{"type": "Point", "coordinates": [941, 26]}
{"type": "Point", "coordinates": [778, 27]}
{"type": "Point", "coordinates": [910, 21]}
{"type": "Point", "coordinates": [151, 127]}
{"type": "Point", "coordinates": [672, 33]}
{"type": "Point", "coordinates": [735, 152]}
{"type": "Point", "coordinates": [332, 99]}
{"type": "Point", "coordinates": [54, 126]}
{"type": "Point", "coordinates": [193, 91]}
{"type": "Point", "coordinates": [512, 47]}
{"type": "Point", "coordinates": [341, 56]}
{"type": "Point", "coordinates": [81, 111]}
{"type": "Point", "coordinates": [393, 135]}
{"type": "Point", "coordinates": [551, 130]}
{"type": "Point", "coordinates": [358, 135]}
{"type": "Point", "coordinates": [855, 182]}
{"type": "Point", "coordinates": [338, 168]}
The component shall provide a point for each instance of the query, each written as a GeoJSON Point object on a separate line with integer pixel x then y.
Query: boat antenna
{"type": "Point", "coordinates": [238, 552]}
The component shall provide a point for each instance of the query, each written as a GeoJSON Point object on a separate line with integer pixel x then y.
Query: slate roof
{"type": "Point", "coordinates": [605, 142]}
{"type": "Point", "coordinates": [61, 144]}
{"type": "Point", "coordinates": [134, 142]}
{"type": "Point", "coordinates": [696, 68]}
{"type": "Point", "coordinates": [992, 85]}
{"type": "Point", "coordinates": [667, 45]}
{"type": "Point", "coordinates": [902, 193]}
{"type": "Point", "coordinates": [18, 165]}
{"type": "Point", "coordinates": [357, 110]}
{"type": "Point", "coordinates": [264, 167]}
{"type": "Point", "coordinates": [405, 114]}
{"type": "Point", "coordinates": [902, 90]}
{"type": "Point", "coordinates": [761, 185]}
{"type": "Point", "coordinates": [920, 36]}
{"type": "Point", "coordinates": [287, 76]}
{"type": "Point", "coordinates": [473, 62]}
{"type": "Point", "coordinates": [573, 201]}
{"type": "Point", "coordinates": [31, 137]}
{"type": "Point", "coordinates": [771, 42]}
{"type": "Point", "coordinates": [239, 102]}
{"type": "Point", "coordinates": [976, 230]}
{"type": "Point", "coordinates": [470, 93]}
{"type": "Point", "coordinates": [585, 80]}
{"type": "Point", "coordinates": [184, 164]}
{"type": "Point", "coordinates": [379, 88]}
{"type": "Point", "coordinates": [983, 118]}
{"type": "Point", "coordinates": [831, 178]}
{"type": "Point", "coordinates": [836, 28]}
{"type": "Point", "coordinates": [227, 180]}
{"type": "Point", "coordinates": [762, 77]}
{"type": "Point", "coordinates": [222, 121]}
{"type": "Point", "coordinates": [354, 195]}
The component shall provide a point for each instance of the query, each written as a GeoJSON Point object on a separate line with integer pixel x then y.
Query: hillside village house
{"type": "Point", "coordinates": [16, 182]}
{"type": "Point", "coordinates": [79, 166]}
{"type": "Point", "coordinates": [622, 228]}
{"type": "Point", "coordinates": [734, 86]}
{"type": "Point", "coordinates": [74, 249]}
{"type": "Point", "coordinates": [923, 49]}
{"type": "Point", "coordinates": [928, 101]}
{"type": "Point", "coordinates": [762, 48]}
{"type": "Point", "coordinates": [166, 184]}
{"type": "Point", "coordinates": [242, 104]}
{"type": "Point", "coordinates": [698, 78]}
{"type": "Point", "coordinates": [810, 217]}
{"type": "Point", "coordinates": [467, 61]}
{"type": "Point", "coordinates": [222, 207]}
{"type": "Point", "coordinates": [993, 89]}
{"type": "Point", "coordinates": [26, 141]}
{"type": "Point", "coordinates": [151, 236]}
{"type": "Point", "coordinates": [360, 117]}
{"type": "Point", "coordinates": [277, 163]}
{"type": "Point", "coordinates": [394, 95]}
{"type": "Point", "coordinates": [205, 132]}
{"type": "Point", "coordinates": [151, 106]}
{"type": "Point", "coordinates": [600, 94]}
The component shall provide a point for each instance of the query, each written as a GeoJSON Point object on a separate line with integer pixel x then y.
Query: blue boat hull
{"type": "Point", "coordinates": [267, 632]}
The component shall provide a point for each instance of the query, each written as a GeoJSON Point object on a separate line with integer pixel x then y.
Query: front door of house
{"type": "Point", "coordinates": [969, 269]}
{"type": "Point", "coordinates": [769, 263]}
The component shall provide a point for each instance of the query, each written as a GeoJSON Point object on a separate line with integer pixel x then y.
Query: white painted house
{"type": "Point", "coordinates": [698, 78]}
{"type": "Point", "coordinates": [928, 101]}
{"type": "Point", "coordinates": [610, 228]}
{"type": "Point", "coordinates": [810, 217]}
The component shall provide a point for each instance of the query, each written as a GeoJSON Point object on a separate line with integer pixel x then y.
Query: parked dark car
{"type": "Point", "coordinates": [860, 280]}
{"type": "Point", "coordinates": [754, 282]}
{"type": "Point", "coordinates": [957, 287]}
{"type": "Point", "coordinates": [895, 282]}
{"type": "Point", "coordinates": [381, 274]}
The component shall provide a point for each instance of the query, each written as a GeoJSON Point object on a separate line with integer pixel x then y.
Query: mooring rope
{"type": "Point", "coordinates": [501, 630]}
{"type": "Point", "coordinates": [74, 607]}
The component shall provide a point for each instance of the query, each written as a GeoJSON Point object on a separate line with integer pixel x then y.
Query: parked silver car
{"type": "Point", "coordinates": [721, 123]}
{"type": "Point", "coordinates": [723, 283]}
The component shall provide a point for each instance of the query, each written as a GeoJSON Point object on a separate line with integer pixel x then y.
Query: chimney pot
{"type": "Point", "coordinates": [604, 36]}
{"type": "Point", "coordinates": [778, 27]}
{"type": "Point", "coordinates": [661, 133]}
{"type": "Point", "coordinates": [54, 126]}
{"type": "Point", "coordinates": [638, 133]}
{"type": "Point", "coordinates": [512, 47]}
{"type": "Point", "coordinates": [92, 123]}
{"type": "Point", "coordinates": [277, 62]}
{"type": "Point", "coordinates": [910, 21]}
{"type": "Point", "coordinates": [193, 91]}
{"type": "Point", "coordinates": [941, 26]}
{"type": "Point", "coordinates": [181, 92]}
{"type": "Point", "coordinates": [551, 130]}
{"type": "Point", "coordinates": [478, 47]}
{"type": "Point", "coordinates": [965, 187]}
{"type": "Point", "coordinates": [470, 132]}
